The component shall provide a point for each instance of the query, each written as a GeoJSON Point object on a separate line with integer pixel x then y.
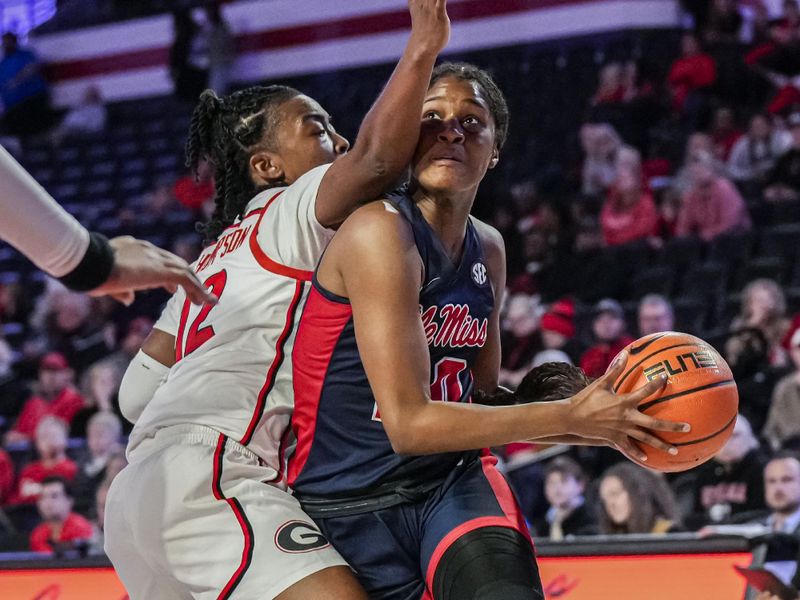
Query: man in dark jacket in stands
{"type": "Point", "coordinates": [731, 484]}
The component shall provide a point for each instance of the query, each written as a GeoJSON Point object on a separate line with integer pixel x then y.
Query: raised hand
{"type": "Point", "coordinates": [598, 413]}
{"type": "Point", "coordinates": [139, 265]}
{"type": "Point", "coordinates": [430, 25]}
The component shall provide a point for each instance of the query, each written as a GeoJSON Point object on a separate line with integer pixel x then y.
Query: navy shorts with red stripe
{"type": "Point", "coordinates": [395, 551]}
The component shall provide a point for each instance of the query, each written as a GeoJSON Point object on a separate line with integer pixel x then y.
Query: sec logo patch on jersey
{"type": "Point", "coordinates": [479, 274]}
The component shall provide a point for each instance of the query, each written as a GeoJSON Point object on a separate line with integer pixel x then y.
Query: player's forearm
{"type": "Point", "coordinates": [453, 427]}
{"type": "Point", "coordinates": [569, 439]}
{"type": "Point", "coordinates": [388, 135]}
{"type": "Point", "coordinates": [35, 224]}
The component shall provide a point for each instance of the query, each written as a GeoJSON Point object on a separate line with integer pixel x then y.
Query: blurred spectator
{"type": "Point", "coordinates": [568, 515]}
{"type": "Point", "coordinates": [137, 332]}
{"type": "Point", "coordinates": [732, 483]}
{"type": "Point", "coordinates": [724, 132]}
{"type": "Point", "coordinates": [519, 331]}
{"type": "Point", "coordinates": [629, 212]}
{"type": "Point", "coordinates": [53, 395]}
{"type": "Point", "coordinates": [102, 444]}
{"type": "Point", "coordinates": [780, 527]}
{"type": "Point", "coordinates": [61, 529]}
{"type": "Point", "coordinates": [697, 145]}
{"type": "Point", "coordinates": [782, 494]}
{"type": "Point", "coordinates": [611, 85]}
{"type": "Point", "coordinates": [690, 78]}
{"type": "Point", "coordinates": [724, 22]}
{"type": "Point", "coordinates": [6, 476]}
{"type": "Point", "coordinates": [756, 153]}
{"type": "Point", "coordinates": [784, 180]}
{"type": "Point", "coordinates": [23, 90]}
{"type": "Point", "coordinates": [783, 420]}
{"type": "Point", "coordinates": [11, 394]}
{"type": "Point", "coordinates": [747, 352]}
{"type": "Point", "coordinates": [764, 308]}
{"type": "Point", "coordinates": [76, 329]}
{"type": "Point", "coordinates": [100, 385]}
{"type": "Point", "coordinates": [635, 500]}
{"type": "Point", "coordinates": [86, 119]}
{"type": "Point", "coordinates": [51, 445]}
{"type": "Point", "coordinates": [193, 191]}
{"type": "Point", "coordinates": [604, 154]}
{"type": "Point", "coordinates": [713, 205]}
{"type": "Point", "coordinates": [610, 337]}
{"type": "Point", "coordinates": [557, 327]}
{"type": "Point", "coordinates": [778, 60]}
{"type": "Point", "coordinates": [221, 51]}
{"type": "Point", "coordinates": [655, 315]}
{"type": "Point", "coordinates": [98, 536]}
{"type": "Point", "coordinates": [189, 58]}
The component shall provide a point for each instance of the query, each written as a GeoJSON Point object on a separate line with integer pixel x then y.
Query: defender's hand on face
{"type": "Point", "coordinates": [430, 25]}
{"type": "Point", "coordinates": [139, 265]}
{"type": "Point", "coordinates": [597, 412]}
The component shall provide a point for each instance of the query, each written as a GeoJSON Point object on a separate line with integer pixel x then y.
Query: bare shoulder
{"type": "Point", "coordinates": [493, 243]}
{"type": "Point", "coordinates": [377, 226]}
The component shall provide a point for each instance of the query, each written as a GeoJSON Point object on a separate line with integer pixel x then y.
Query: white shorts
{"type": "Point", "coordinates": [190, 517]}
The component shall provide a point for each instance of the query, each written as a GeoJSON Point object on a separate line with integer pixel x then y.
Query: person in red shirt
{"type": "Point", "coordinates": [6, 476]}
{"type": "Point", "coordinates": [54, 395]}
{"type": "Point", "coordinates": [629, 212]}
{"type": "Point", "coordinates": [693, 71]}
{"type": "Point", "coordinates": [51, 444]}
{"type": "Point", "coordinates": [61, 529]}
{"type": "Point", "coordinates": [192, 192]}
{"type": "Point", "coordinates": [609, 332]}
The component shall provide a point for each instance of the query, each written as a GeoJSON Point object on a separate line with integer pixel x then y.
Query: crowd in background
{"type": "Point", "coordinates": [682, 161]}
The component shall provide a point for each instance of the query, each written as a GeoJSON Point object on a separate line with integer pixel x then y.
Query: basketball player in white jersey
{"type": "Point", "coordinates": [201, 511]}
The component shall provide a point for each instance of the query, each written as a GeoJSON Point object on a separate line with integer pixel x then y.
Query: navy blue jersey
{"type": "Point", "coordinates": [342, 447]}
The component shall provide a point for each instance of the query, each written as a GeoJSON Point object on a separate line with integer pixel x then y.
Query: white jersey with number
{"type": "Point", "coordinates": [233, 369]}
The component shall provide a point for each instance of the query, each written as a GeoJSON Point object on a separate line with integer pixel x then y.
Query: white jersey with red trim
{"type": "Point", "coordinates": [233, 361]}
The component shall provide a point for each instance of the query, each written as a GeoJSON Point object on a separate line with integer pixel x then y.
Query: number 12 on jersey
{"type": "Point", "coordinates": [198, 334]}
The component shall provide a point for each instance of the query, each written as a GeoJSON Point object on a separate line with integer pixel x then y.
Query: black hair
{"type": "Point", "coordinates": [547, 382]}
{"type": "Point", "coordinates": [64, 484]}
{"type": "Point", "coordinates": [491, 93]}
{"type": "Point", "coordinates": [552, 381]}
{"type": "Point", "coordinates": [225, 131]}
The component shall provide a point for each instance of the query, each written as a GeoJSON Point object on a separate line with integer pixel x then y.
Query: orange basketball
{"type": "Point", "coordinates": [700, 391]}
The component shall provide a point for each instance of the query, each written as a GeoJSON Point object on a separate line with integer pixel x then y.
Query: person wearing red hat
{"type": "Point", "coordinates": [609, 332]}
{"type": "Point", "coordinates": [558, 329]}
{"type": "Point", "coordinates": [54, 394]}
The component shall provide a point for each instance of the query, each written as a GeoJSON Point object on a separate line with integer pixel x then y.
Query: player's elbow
{"type": "Point", "coordinates": [406, 439]}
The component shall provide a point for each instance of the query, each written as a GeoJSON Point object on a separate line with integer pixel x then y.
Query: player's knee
{"type": "Point", "coordinates": [490, 563]}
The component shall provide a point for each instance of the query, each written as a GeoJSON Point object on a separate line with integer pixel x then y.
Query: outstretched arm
{"type": "Point", "coordinates": [33, 222]}
{"type": "Point", "coordinates": [388, 135]}
{"type": "Point", "coordinates": [376, 262]}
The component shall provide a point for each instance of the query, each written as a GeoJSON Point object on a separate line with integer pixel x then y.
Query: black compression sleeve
{"type": "Point", "coordinates": [95, 266]}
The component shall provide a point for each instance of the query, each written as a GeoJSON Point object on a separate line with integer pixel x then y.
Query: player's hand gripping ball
{"type": "Point", "coordinates": [700, 391]}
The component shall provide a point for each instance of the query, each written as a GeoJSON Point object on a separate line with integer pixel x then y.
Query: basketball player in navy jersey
{"type": "Point", "coordinates": [401, 325]}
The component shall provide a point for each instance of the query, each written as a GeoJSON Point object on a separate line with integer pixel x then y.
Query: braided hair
{"type": "Point", "coordinates": [225, 131]}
